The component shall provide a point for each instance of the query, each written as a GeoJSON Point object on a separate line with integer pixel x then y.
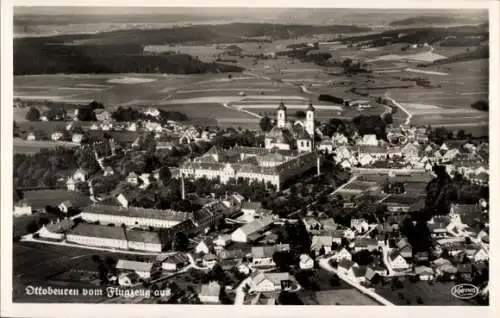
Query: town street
{"type": "Point", "coordinates": [324, 263]}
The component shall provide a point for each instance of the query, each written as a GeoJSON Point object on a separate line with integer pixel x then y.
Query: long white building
{"type": "Point", "coordinates": [133, 216]}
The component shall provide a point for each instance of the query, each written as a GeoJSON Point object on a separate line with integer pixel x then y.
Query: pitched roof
{"type": "Point", "coordinates": [143, 236]}
{"type": "Point", "coordinates": [101, 231]}
{"type": "Point", "coordinates": [268, 251]}
{"type": "Point", "coordinates": [251, 205]}
{"type": "Point", "coordinates": [365, 242]}
{"type": "Point", "coordinates": [321, 240]}
{"type": "Point", "coordinates": [257, 225]}
{"type": "Point", "coordinates": [419, 270]}
{"type": "Point", "coordinates": [138, 212]}
{"type": "Point", "coordinates": [210, 289]}
{"type": "Point", "coordinates": [134, 265]}
{"type": "Point", "coordinates": [177, 258]}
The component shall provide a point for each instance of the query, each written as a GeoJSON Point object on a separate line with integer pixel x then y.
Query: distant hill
{"type": "Point", "coordinates": [465, 34]}
{"type": "Point", "coordinates": [481, 53]}
{"type": "Point", "coordinates": [435, 20]}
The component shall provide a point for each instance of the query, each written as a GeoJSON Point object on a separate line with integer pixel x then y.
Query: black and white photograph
{"type": "Point", "coordinates": [253, 156]}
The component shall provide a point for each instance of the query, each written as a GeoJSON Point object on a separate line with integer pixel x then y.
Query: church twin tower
{"type": "Point", "coordinates": [308, 123]}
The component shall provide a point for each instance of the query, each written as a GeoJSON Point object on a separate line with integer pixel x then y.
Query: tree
{"type": "Point", "coordinates": [33, 114]}
{"type": "Point", "coordinates": [180, 242]}
{"type": "Point", "coordinates": [300, 114]}
{"type": "Point", "coordinates": [266, 124]}
{"type": "Point", "coordinates": [165, 175]}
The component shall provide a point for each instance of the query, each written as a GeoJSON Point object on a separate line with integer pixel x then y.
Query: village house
{"type": "Point", "coordinates": [397, 262]}
{"type": "Point", "coordinates": [65, 206]}
{"type": "Point", "coordinates": [410, 151]}
{"type": "Point", "coordinates": [339, 139]}
{"type": "Point", "coordinates": [56, 136]}
{"type": "Point", "coordinates": [142, 269]}
{"type": "Point", "coordinates": [263, 255]}
{"type": "Point", "coordinates": [269, 282]}
{"type": "Point", "coordinates": [22, 208]}
{"type": "Point", "coordinates": [71, 184]}
{"type": "Point", "coordinates": [424, 272]}
{"type": "Point", "coordinates": [243, 233]}
{"type": "Point", "coordinates": [326, 146]}
{"type": "Point", "coordinates": [311, 224]}
{"type": "Point", "coordinates": [132, 178]}
{"type": "Point", "coordinates": [328, 224]}
{"type": "Point", "coordinates": [31, 136]}
{"type": "Point", "coordinates": [321, 242]}
{"type": "Point", "coordinates": [222, 240]}
{"type": "Point", "coordinates": [173, 262]}
{"type": "Point", "coordinates": [145, 179]}
{"type": "Point", "coordinates": [210, 293]}
{"type": "Point", "coordinates": [204, 246]}
{"type": "Point", "coordinates": [56, 230]}
{"type": "Point", "coordinates": [250, 209]}
{"type": "Point", "coordinates": [77, 138]}
{"type": "Point", "coordinates": [80, 175]}
{"type": "Point", "coordinates": [127, 279]}
{"type": "Point", "coordinates": [108, 171]}
{"type": "Point", "coordinates": [346, 268]}
{"type": "Point", "coordinates": [360, 225]}
{"type": "Point", "coordinates": [102, 115]}
{"type": "Point", "coordinates": [341, 255]}
{"type": "Point", "coordinates": [94, 127]}
{"type": "Point", "coordinates": [209, 260]}
{"type": "Point", "coordinates": [349, 234]}
{"type": "Point", "coordinates": [365, 244]}
{"type": "Point", "coordinates": [368, 140]}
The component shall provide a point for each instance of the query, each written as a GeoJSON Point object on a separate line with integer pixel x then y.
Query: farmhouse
{"type": "Point", "coordinates": [173, 262]}
{"type": "Point", "coordinates": [397, 261]}
{"type": "Point", "coordinates": [259, 225]}
{"type": "Point", "coordinates": [269, 282]}
{"type": "Point", "coordinates": [142, 269]}
{"type": "Point", "coordinates": [263, 255]}
{"type": "Point", "coordinates": [22, 208]}
{"type": "Point", "coordinates": [341, 255]}
{"type": "Point", "coordinates": [56, 230]}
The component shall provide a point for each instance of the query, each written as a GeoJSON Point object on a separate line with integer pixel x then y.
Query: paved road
{"type": "Point", "coordinates": [324, 263]}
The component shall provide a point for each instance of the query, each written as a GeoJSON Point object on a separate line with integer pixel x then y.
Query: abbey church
{"type": "Point", "coordinates": [285, 135]}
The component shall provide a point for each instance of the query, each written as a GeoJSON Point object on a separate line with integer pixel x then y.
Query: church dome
{"type": "Point", "coordinates": [282, 106]}
{"type": "Point", "coordinates": [310, 107]}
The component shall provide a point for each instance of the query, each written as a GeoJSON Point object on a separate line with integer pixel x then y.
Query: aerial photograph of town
{"type": "Point", "coordinates": [266, 156]}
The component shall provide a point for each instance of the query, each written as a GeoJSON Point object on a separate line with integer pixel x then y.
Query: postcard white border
{"type": "Point", "coordinates": [8, 309]}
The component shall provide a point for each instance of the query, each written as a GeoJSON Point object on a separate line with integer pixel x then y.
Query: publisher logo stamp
{"type": "Point", "coordinates": [465, 291]}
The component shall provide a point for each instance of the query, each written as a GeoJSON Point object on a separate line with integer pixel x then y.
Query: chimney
{"type": "Point", "coordinates": [183, 193]}
{"type": "Point", "coordinates": [318, 165]}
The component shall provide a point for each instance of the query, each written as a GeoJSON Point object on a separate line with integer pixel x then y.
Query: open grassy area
{"type": "Point", "coordinates": [31, 147]}
{"type": "Point", "coordinates": [437, 294]}
{"type": "Point", "coordinates": [36, 264]}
